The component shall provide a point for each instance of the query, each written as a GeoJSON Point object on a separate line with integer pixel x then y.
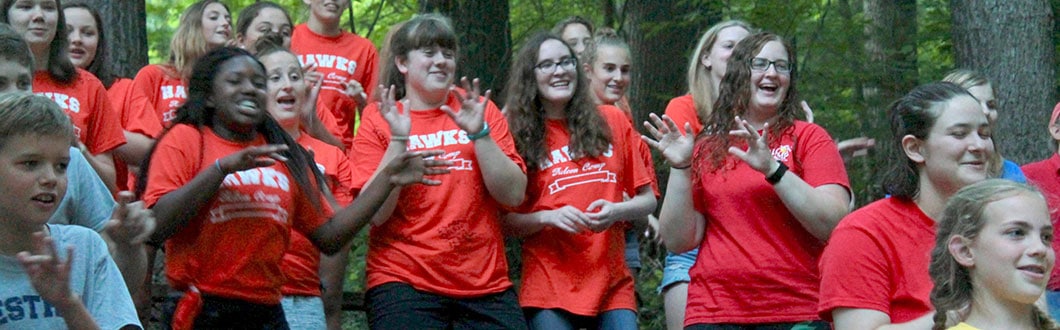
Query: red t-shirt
{"type": "Point", "coordinates": [85, 101]}
{"type": "Point", "coordinates": [1045, 175]}
{"type": "Point", "coordinates": [233, 246]}
{"type": "Point", "coordinates": [136, 117]}
{"type": "Point", "coordinates": [301, 263]}
{"type": "Point", "coordinates": [877, 258]}
{"type": "Point", "coordinates": [682, 109]}
{"type": "Point", "coordinates": [441, 239]}
{"type": "Point", "coordinates": [164, 90]}
{"type": "Point", "coordinates": [756, 263]}
{"type": "Point", "coordinates": [588, 269]}
{"type": "Point", "coordinates": [340, 59]}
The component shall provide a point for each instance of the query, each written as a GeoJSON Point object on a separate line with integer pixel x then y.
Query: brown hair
{"type": "Point", "coordinates": [59, 65]}
{"type": "Point", "coordinates": [421, 31]}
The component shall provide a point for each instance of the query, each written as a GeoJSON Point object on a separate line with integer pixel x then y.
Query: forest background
{"type": "Point", "coordinates": [853, 57]}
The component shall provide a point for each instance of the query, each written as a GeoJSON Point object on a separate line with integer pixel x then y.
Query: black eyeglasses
{"type": "Point", "coordinates": [762, 65]}
{"type": "Point", "coordinates": [548, 66]}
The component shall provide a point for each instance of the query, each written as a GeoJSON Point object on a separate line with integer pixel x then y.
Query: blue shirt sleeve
{"type": "Point", "coordinates": [87, 202]}
{"type": "Point", "coordinates": [1012, 172]}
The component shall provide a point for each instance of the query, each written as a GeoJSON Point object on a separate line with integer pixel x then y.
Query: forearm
{"type": "Point", "coordinates": [175, 208]}
{"type": "Point", "coordinates": [330, 237]}
{"type": "Point", "coordinates": [103, 164]}
{"type": "Point", "coordinates": [75, 314]}
{"type": "Point", "coordinates": [135, 148]}
{"type": "Point", "coordinates": [818, 209]}
{"type": "Point", "coordinates": [678, 214]}
{"type": "Point", "coordinates": [520, 225]}
{"type": "Point", "coordinates": [504, 180]}
{"type": "Point", "coordinates": [639, 207]}
{"type": "Point", "coordinates": [387, 209]}
{"type": "Point", "coordinates": [131, 260]}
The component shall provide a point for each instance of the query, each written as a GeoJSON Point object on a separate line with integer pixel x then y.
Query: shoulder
{"type": "Point", "coordinates": [879, 214]}
{"type": "Point", "coordinates": [682, 101]}
{"type": "Point", "coordinates": [84, 239]}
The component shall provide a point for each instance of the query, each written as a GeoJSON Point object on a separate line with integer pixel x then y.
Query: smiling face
{"type": "Point", "coordinates": [769, 87]}
{"type": "Point", "coordinates": [287, 89]}
{"type": "Point", "coordinates": [269, 20]}
{"type": "Point", "coordinates": [238, 95]}
{"type": "Point", "coordinates": [36, 21]}
{"type": "Point", "coordinates": [609, 73]}
{"type": "Point", "coordinates": [32, 179]}
{"type": "Point", "coordinates": [555, 85]}
{"type": "Point", "coordinates": [84, 36]}
{"type": "Point", "coordinates": [718, 56]}
{"type": "Point", "coordinates": [957, 150]}
{"type": "Point", "coordinates": [326, 10]}
{"type": "Point", "coordinates": [1012, 257]}
{"type": "Point", "coordinates": [429, 71]}
{"type": "Point", "coordinates": [216, 25]}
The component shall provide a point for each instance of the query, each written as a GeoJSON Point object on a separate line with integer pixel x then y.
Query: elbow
{"type": "Point", "coordinates": [512, 194]}
{"type": "Point", "coordinates": [678, 247]}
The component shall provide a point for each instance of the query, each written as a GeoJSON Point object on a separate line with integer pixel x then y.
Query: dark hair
{"type": "Point", "coordinates": [590, 135]}
{"type": "Point", "coordinates": [268, 44]}
{"type": "Point", "coordinates": [914, 114]}
{"type": "Point", "coordinates": [14, 48]}
{"type": "Point", "coordinates": [734, 98]}
{"type": "Point", "coordinates": [249, 13]}
{"type": "Point", "coordinates": [562, 25]}
{"type": "Point", "coordinates": [963, 216]}
{"type": "Point", "coordinates": [59, 65]}
{"type": "Point", "coordinates": [197, 113]}
{"type": "Point", "coordinates": [426, 30]}
{"type": "Point", "coordinates": [99, 66]}
{"type": "Point", "coordinates": [22, 113]}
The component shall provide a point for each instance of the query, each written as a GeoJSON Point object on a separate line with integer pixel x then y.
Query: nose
{"type": "Point", "coordinates": [36, 13]}
{"type": "Point", "coordinates": [50, 176]}
{"type": "Point", "coordinates": [75, 37]}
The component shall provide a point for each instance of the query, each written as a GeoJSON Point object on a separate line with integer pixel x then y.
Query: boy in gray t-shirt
{"type": "Point", "coordinates": [53, 276]}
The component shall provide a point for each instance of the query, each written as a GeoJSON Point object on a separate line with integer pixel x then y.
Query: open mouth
{"type": "Point", "coordinates": [248, 107]}
{"type": "Point", "coordinates": [769, 87]}
{"type": "Point", "coordinates": [1035, 271]}
{"type": "Point", "coordinates": [78, 52]}
{"type": "Point", "coordinates": [287, 101]}
{"type": "Point", "coordinates": [47, 199]}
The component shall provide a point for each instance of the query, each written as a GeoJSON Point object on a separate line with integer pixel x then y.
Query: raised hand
{"type": "Point", "coordinates": [806, 109]}
{"type": "Point", "coordinates": [131, 223]}
{"type": "Point", "coordinates": [471, 117]}
{"type": "Point", "coordinates": [396, 117]}
{"type": "Point", "coordinates": [251, 157]}
{"type": "Point", "coordinates": [49, 275]}
{"type": "Point", "coordinates": [674, 144]}
{"type": "Point", "coordinates": [414, 167]}
{"type": "Point", "coordinates": [355, 91]}
{"type": "Point", "coordinates": [757, 154]}
{"type": "Point", "coordinates": [567, 218]}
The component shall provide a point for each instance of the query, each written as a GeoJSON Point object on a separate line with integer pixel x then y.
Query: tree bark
{"type": "Point", "coordinates": [1011, 43]}
{"type": "Point", "coordinates": [125, 23]}
{"type": "Point", "coordinates": [485, 39]}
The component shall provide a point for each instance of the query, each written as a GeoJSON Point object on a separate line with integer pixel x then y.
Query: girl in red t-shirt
{"type": "Point", "coordinates": [992, 258]}
{"type": "Point", "coordinates": [758, 189]}
{"type": "Point", "coordinates": [228, 185]}
{"type": "Point", "coordinates": [580, 162]}
{"type": "Point", "coordinates": [874, 271]}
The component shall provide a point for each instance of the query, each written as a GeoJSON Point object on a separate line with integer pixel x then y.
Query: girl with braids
{"type": "Point", "coordinates": [228, 185]}
{"type": "Point", "coordinates": [436, 254]}
{"type": "Point", "coordinates": [580, 162]}
{"type": "Point", "coordinates": [992, 258]}
{"type": "Point", "coordinates": [203, 26]}
{"type": "Point", "coordinates": [758, 192]}
{"type": "Point", "coordinates": [874, 272]}
{"type": "Point", "coordinates": [83, 98]}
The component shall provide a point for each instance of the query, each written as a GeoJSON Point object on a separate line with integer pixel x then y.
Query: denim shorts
{"type": "Point", "coordinates": [676, 268]}
{"type": "Point", "coordinates": [304, 312]}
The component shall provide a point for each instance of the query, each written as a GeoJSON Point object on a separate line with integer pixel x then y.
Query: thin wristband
{"type": "Point", "coordinates": [778, 174]}
{"type": "Point", "coordinates": [481, 134]}
{"type": "Point", "coordinates": [399, 138]}
{"type": "Point", "coordinates": [681, 167]}
{"type": "Point", "coordinates": [217, 164]}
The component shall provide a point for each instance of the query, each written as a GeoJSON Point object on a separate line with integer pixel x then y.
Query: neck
{"type": "Point", "coordinates": [759, 118]}
{"type": "Point", "coordinates": [988, 312]}
{"type": "Point", "coordinates": [714, 83]}
{"type": "Point", "coordinates": [931, 199]}
{"type": "Point", "coordinates": [231, 134]}
{"type": "Point", "coordinates": [13, 240]}
{"type": "Point", "coordinates": [554, 110]}
{"type": "Point", "coordinates": [425, 101]}
{"type": "Point", "coordinates": [294, 130]}
{"type": "Point", "coordinates": [40, 55]}
{"type": "Point", "coordinates": [322, 28]}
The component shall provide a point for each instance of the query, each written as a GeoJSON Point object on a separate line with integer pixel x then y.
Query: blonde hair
{"type": "Point", "coordinates": [189, 44]}
{"type": "Point", "coordinates": [699, 84]}
{"type": "Point", "coordinates": [963, 216]}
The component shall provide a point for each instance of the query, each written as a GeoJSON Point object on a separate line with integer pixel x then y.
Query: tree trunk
{"type": "Point", "coordinates": [890, 49]}
{"type": "Point", "coordinates": [1011, 43]}
{"type": "Point", "coordinates": [125, 24]}
{"type": "Point", "coordinates": [485, 39]}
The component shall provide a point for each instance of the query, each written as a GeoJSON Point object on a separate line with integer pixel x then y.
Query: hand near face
{"type": "Point", "coordinates": [674, 144]}
{"type": "Point", "coordinates": [471, 117]}
{"type": "Point", "coordinates": [396, 117]}
{"type": "Point", "coordinates": [757, 155]}
{"type": "Point", "coordinates": [414, 167]}
{"type": "Point", "coordinates": [355, 91]}
{"type": "Point", "coordinates": [49, 275]}
{"type": "Point", "coordinates": [252, 157]}
{"type": "Point", "coordinates": [131, 223]}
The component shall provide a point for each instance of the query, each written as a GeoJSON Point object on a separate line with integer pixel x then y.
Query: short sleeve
{"type": "Point", "coordinates": [854, 272]}
{"type": "Point", "coordinates": [173, 163]}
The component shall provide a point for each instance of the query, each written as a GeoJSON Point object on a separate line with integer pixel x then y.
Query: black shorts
{"type": "Point", "coordinates": [399, 306]}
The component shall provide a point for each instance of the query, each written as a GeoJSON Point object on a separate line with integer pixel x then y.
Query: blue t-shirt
{"type": "Point", "coordinates": [87, 202]}
{"type": "Point", "coordinates": [1012, 172]}
{"type": "Point", "coordinates": [93, 276]}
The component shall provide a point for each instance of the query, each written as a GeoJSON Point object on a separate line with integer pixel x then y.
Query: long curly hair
{"type": "Point", "coordinates": [734, 99]}
{"type": "Point", "coordinates": [197, 112]}
{"type": "Point", "coordinates": [963, 216]}
{"type": "Point", "coordinates": [590, 135]}
{"type": "Point", "coordinates": [59, 65]}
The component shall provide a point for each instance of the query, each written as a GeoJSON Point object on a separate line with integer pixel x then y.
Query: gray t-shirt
{"type": "Point", "coordinates": [93, 276]}
{"type": "Point", "coordinates": [87, 202]}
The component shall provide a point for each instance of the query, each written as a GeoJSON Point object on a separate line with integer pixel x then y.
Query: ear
{"type": "Point", "coordinates": [400, 62]}
{"type": "Point", "coordinates": [961, 250]}
{"type": "Point", "coordinates": [1054, 131]}
{"type": "Point", "coordinates": [705, 61]}
{"type": "Point", "coordinates": [587, 67]}
{"type": "Point", "coordinates": [913, 148]}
